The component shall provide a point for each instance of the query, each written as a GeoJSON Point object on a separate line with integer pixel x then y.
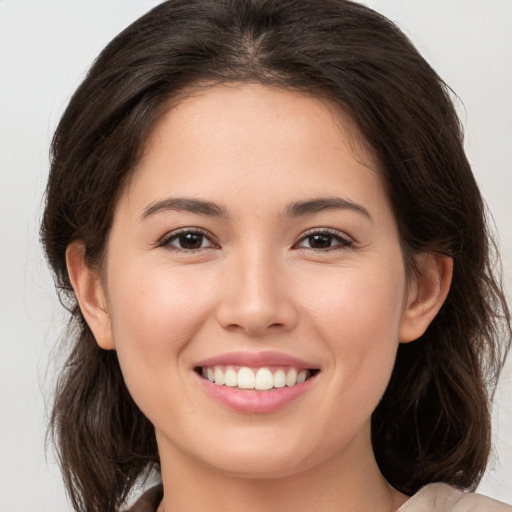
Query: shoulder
{"type": "Point", "coordinates": [441, 497]}
{"type": "Point", "coordinates": [149, 501]}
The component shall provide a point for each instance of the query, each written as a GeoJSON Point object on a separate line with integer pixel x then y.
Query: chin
{"type": "Point", "coordinates": [273, 455]}
{"type": "Point", "coordinates": [260, 466]}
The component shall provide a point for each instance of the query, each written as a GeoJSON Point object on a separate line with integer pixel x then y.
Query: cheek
{"type": "Point", "coordinates": [362, 304]}
{"type": "Point", "coordinates": [154, 315]}
{"type": "Point", "coordinates": [358, 316]}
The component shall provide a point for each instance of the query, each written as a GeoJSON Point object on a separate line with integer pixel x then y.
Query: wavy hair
{"type": "Point", "coordinates": [433, 422]}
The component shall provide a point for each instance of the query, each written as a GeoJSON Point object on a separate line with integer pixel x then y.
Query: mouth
{"type": "Point", "coordinates": [256, 383]}
{"type": "Point", "coordinates": [263, 378]}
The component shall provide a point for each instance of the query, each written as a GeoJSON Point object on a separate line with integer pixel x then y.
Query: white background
{"type": "Point", "coordinates": [45, 48]}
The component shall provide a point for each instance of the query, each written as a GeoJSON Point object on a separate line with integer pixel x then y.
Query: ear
{"type": "Point", "coordinates": [90, 295]}
{"type": "Point", "coordinates": [427, 293]}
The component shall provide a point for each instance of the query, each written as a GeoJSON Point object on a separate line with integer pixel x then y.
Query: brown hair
{"type": "Point", "coordinates": [433, 422]}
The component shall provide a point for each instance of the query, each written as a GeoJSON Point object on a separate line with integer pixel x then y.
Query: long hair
{"type": "Point", "coordinates": [433, 422]}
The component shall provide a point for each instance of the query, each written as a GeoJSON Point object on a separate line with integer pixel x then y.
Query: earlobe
{"type": "Point", "coordinates": [90, 295]}
{"type": "Point", "coordinates": [426, 295]}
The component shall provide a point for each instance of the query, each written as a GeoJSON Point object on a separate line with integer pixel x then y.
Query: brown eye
{"type": "Point", "coordinates": [320, 241]}
{"type": "Point", "coordinates": [190, 240]}
{"type": "Point", "coordinates": [187, 241]}
{"type": "Point", "coordinates": [324, 240]}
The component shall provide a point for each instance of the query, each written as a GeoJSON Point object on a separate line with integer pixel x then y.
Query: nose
{"type": "Point", "coordinates": [256, 297]}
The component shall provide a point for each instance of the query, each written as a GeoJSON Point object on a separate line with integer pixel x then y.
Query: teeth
{"type": "Point", "coordinates": [264, 379]}
{"type": "Point", "coordinates": [302, 376]}
{"type": "Point", "coordinates": [218, 375]}
{"type": "Point", "coordinates": [230, 378]}
{"type": "Point", "coordinates": [279, 379]}
{"type": "Point", "coordinates": [291, 377]}
{"type": "Point", "coordinates": [260, 379]}
{"type": "Point", "coordinates": [246, 378]}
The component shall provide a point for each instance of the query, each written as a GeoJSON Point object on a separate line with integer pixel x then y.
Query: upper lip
{"type": "Point", "coordinates": [256, 359]}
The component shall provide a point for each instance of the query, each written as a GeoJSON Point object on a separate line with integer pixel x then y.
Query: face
{"type": "Point", "coordinates": [255, 246]}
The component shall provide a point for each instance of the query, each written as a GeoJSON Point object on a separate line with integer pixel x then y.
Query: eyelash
{"type": "Point", "coordinates": [343, 242]}
{"type": "Point", "coordinates": [175, 235]}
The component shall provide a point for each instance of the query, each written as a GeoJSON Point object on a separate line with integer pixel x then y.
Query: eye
{"type": "Point", "coordinates": [323, 240]}
{"type": "Point", "coordinates": [188, 240]}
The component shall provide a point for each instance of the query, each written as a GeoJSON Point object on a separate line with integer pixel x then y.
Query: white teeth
{"type": "Point", "coordinates": [302, 376]}
{"type": "Point", "coordinates": [261, 379]}
{"type": "Point", "coordinates": [246, 378]}
{"type": "Point", "coordinates": [291, 377]}
{"type": "Point", "coordinates": [264, 379]}
{"type": "Point", "coordinates": [230, 378]}
{"type": "Point", "coordinates": [218, 375]}
{"type": "Point", "coordinates": [279, 379]}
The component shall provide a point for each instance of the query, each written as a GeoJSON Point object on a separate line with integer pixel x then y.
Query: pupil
{"type": "Point", "coordinates": [319, 241]}
{"type": "Point", "coordinates": [191, 240]}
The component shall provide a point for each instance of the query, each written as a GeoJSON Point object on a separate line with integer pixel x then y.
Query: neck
{"type": "Point", "coordinates": [350, 481]}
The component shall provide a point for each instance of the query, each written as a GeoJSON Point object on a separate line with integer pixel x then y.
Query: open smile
{"type": "Point", "coordinates": [260, 379]}
{"type": "Point", "coordinates": [255, 382]}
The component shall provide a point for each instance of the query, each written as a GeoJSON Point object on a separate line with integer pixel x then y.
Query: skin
{"type": "Point", "coordinates": [256, 283]}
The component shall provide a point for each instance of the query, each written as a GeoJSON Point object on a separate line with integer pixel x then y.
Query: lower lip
{"type": "Point", "coordinates": [255, 402]}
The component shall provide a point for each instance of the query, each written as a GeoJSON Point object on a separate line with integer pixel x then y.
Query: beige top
{"type": "Point", "coordinates": [432, 498]}
{"type": "Point", "coordinates": [443, 498]}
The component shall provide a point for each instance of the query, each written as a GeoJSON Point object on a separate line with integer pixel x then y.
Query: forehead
{"type": "Point", "coordinates": [195, 110]}
{"type": "Point", "coordinates": [252, 137]}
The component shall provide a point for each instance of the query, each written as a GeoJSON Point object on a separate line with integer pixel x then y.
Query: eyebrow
{"type": "Point", "coordinates": [326, 203]}
{"type": "Point", "coordinates": [179, 204]}
{"type": "Point", "coordinates": [295, 209]}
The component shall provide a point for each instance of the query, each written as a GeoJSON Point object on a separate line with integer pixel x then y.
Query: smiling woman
{"type": "Point", "coordinates": [277, 259]}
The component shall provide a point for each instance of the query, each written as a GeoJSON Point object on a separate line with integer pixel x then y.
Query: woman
{"type": "Point", "coordinates": [278, 265]}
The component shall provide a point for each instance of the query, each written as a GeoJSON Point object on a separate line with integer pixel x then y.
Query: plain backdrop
{"type": "Point", "coordinates": [45, 48]}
